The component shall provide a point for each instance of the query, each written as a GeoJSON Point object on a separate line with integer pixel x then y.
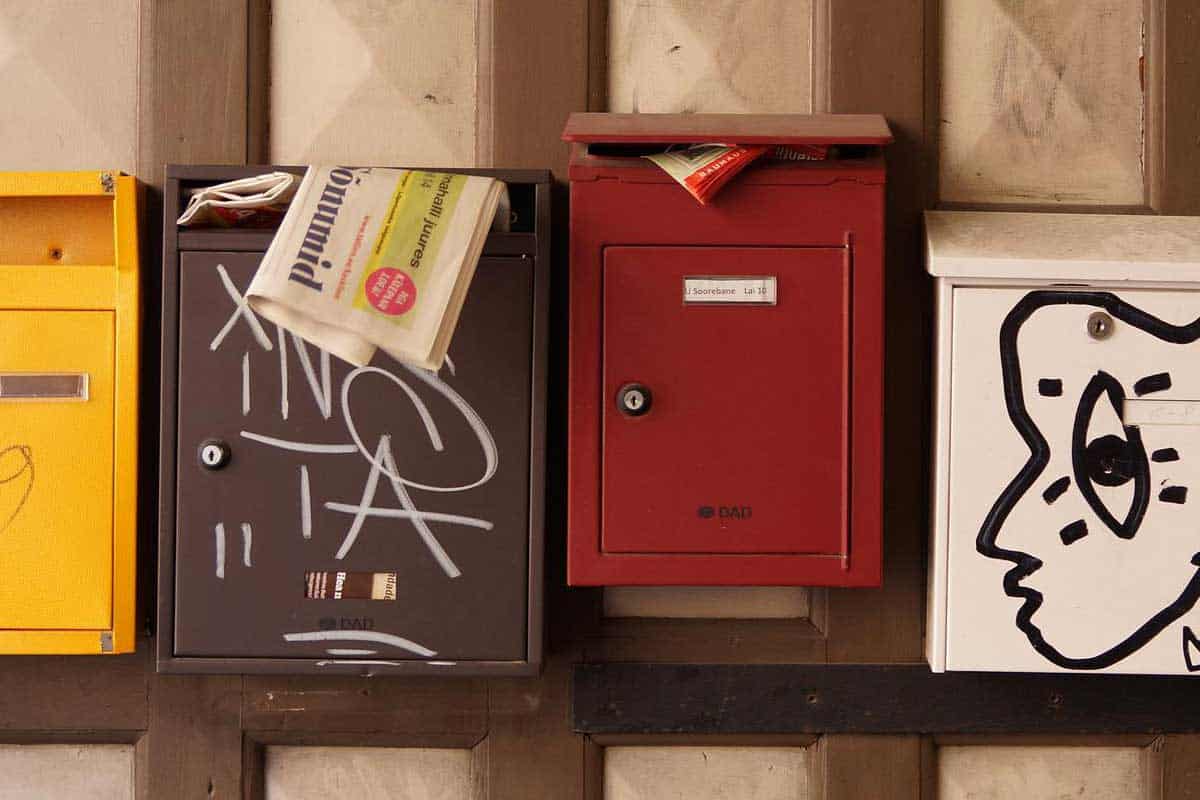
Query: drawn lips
{"type": "Point", "coordinates": [16, 481]}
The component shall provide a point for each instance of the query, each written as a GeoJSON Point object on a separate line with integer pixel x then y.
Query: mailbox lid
{"type": "Point", "coordinates": [1037, 246]}
{"type": "Point", "coordinates": [56, 469]}
{"type": "Point", "coordinates": [745, 446]}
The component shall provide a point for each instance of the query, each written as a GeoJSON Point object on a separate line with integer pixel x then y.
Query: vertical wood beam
{"type": "Point", "coordinates": [876, 51]}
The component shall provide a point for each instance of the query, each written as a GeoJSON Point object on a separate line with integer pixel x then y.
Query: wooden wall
{"type": "Point", "coordinates": [1089, 104]}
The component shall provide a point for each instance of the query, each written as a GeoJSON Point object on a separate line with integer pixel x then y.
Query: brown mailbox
{"type": "Point", "coordinates": [321, 518]}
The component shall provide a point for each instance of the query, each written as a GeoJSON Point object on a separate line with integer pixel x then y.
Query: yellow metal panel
{"type": "Point", "coordinates": [56, 474]}
{"type": "Point", "coordinates": [125, 432]}
{"type": "Point", "coordinates": [69, 303]}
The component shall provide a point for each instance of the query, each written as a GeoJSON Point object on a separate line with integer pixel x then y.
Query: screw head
{"type": "Point", "coordinates": [214, 454]}
{"type": "Point", "coordinates": [1100, 325]}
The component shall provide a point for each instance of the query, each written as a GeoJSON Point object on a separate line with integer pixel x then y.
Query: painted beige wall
{"type": "Point", "coordinates": [1041, 102]}
{"type": "Point", "coordinates": [80, 772]}
{"type": "Point", "coordinates": [373, 82]}
{"type": "Point", "coordinates": [69, 95]}
{"type": "Point", "coordinates": [1040, 773]}
{"type": "Point", "coordinates": [368, 773]}
{"type": "Point", "coordinates": [710, 55]}
{"type": "Point", "coordinates": [706, 773]}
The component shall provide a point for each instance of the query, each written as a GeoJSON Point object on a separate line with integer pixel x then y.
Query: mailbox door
{"type": "Point", "coordinates": [743, 448]}
{"type": "Point", "coordinates": [298, 495]}
{"type": "Point", "coordinates": [56, 469]}
{"type": "Point", "coordinates": [1073, 475]}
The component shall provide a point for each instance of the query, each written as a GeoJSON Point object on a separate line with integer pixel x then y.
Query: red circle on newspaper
{"type": "Point", "coordinates": [391, 291]}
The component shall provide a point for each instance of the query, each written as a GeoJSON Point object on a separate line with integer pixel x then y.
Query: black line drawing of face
{"type": "Point", "coordinates": [1107, 474]}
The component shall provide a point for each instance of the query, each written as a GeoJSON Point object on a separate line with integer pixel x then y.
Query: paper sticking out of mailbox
{"type": "Point", "coordinates": [703, 169]}
{"type": "Point", "coordinates": [372, 258]}
{"type": "Point", "coordinates": [256, 202]}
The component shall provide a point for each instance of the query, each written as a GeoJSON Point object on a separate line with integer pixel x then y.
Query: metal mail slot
{"type": "Point", "coordinates": [43, 386]}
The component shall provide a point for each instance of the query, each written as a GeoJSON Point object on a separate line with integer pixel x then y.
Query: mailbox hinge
{"type": "Point", "coordinates": [106, 644]}
{"type": "Point", "coordinates": [106, 182]}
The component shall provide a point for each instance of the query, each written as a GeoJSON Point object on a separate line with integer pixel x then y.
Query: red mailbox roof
{"type": "Point", "coordinates": [870, 129]}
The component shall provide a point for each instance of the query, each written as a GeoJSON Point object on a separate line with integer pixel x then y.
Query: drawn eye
{"type": "Point", "coordinates": [1111, 469]}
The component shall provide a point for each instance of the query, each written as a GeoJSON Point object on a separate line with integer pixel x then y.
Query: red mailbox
{"type": "Point", "coordinates": [726, 361]}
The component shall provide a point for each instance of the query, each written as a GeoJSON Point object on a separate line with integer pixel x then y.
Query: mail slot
{"type": "Point", "coordinates": [68, 412]}
{"type": "Point", "coordinates": [1067, 443]}
{"type": "Point", "coordinates": [726, 360]}
{"type": "Point", "coordinates": [321, 518]}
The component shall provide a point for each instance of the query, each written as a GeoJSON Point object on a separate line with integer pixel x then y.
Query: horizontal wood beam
{"type": "Point", "coordinates": [778, 698]}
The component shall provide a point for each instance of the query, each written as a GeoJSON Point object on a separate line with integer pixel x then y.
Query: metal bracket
{"type": "Point", "coordinates": [107, 183]}
{"type": "Point", "coordinates": [106, 644]}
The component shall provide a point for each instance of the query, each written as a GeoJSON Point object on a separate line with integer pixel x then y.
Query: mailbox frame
{"type": "Point", "coordinates": [620, 200]}
{"type": "Point", "coordinates": [534, 245]}
{"type": "Point", "coordinates": [111, 287]}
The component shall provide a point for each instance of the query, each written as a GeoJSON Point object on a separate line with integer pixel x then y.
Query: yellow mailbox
{"type": "Point", "coordinates": [69, 328]}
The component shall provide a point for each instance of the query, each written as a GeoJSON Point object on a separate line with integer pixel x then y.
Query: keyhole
{"type": "Point", "coordinates": [633, 400]}
{"type": "Point", "coordinates": [214, 454]}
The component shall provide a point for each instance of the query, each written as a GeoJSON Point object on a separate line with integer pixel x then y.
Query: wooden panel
{"type": "Point", "coordinates": [201, 47]}
{"type": "Point", "coordinates": [836, 698]}
{"type": "Point", "coordinates": [368, 773]}
{"type": "Point", "coordinates": [870, 766]}
{"type": "Point", "coordinates": [715, 602]}
{"type": "Point", "coordinates": [69, 97]}
{"type": "Point", "coordinates": [539, 54]}
{"type": "Point", "coordinates": [194, 741]}
{"type": "Point", "coordinates": [713, 55]}
{"type": "Point", "coordinates": [1041, 102]}
{"type": "Point", "coordinates": [706, 773]}
{"type": "Point", "coordinates": [372, 82]}
{"type": "Point", "coordinates": [876, 54]}
{"type": "Point", "coordinates": [1173, 72]}
{"type": "Point", "coordinates": [1040, 773]}
{"type": "Point", "coordinates": [78, 771]}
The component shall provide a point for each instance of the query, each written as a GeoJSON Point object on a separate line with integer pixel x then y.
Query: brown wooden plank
{"type": "Point", "coordinates": [540, 56]}
{"type": "Point", "coordinates": [332, 705]}
{"type": "Point", "coordinates": [708, 641]}
{"type": "Point", "coordinates": [531, 753]}
{"type": "Point", "coordinates": [877, 66]}
{"type": "Point", "coordinates": [1181, 767]}
{"type": "Point", "coordinates": [258, 80]}
{"type": "Point", "coordinates": [1180, 112]}
{"type": "Point", "coordinates": [194, 741]}
{"type": "Point", "coordinates": [192, 85]}
{"type": "Point", "coordinates": [773, 698]}
{"type": "Point", "coordinates": [46, 693]}
{"type": "Point", "coordinates": [870, 766]}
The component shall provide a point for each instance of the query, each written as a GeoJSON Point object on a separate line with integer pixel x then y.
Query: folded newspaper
{"type": "Point", "coordinates": [703, 169]}
{"type": "Point", "coordinates": [370, 258]}
{"type": "Point", "coordinates": [257, 202]}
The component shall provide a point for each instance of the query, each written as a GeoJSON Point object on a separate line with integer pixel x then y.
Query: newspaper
{"type": "Point", "coordinates": [703, 169]}
{"type": "Point", "coordinates": [257, 202]}
{"type": "Point", "coordinates": [372, 258]}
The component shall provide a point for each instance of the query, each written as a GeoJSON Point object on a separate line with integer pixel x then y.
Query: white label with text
{"type": "Point", "coordinates": [756, 290]}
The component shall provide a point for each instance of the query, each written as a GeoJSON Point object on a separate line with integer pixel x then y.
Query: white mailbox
{"type": "Point", "coordinates": [1066, 508]}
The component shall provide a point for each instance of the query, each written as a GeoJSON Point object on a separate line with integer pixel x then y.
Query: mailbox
{"type": "Point", "coordinates": [320, 518]}
{"type": "Point", "coordinates": [1067, 443]}
{"type": "Point", "coordinates": [726, 361]}
{"type": "Point", "coordinates": [68, 412]}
